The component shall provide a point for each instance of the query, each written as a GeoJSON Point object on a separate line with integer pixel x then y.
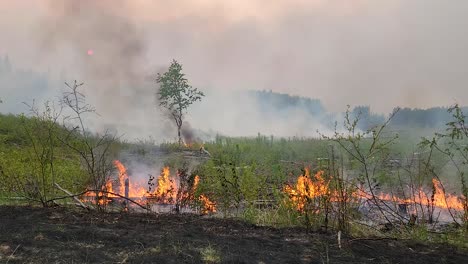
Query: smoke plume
{"type": "Point", "coordinates": [364, 52]}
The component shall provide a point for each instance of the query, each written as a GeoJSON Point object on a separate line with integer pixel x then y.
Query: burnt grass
{"type": "Point", "coordinates": [64, 235]}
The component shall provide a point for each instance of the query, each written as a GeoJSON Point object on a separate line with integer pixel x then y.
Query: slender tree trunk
{"type": "Point", "coordinates": [178, 133]}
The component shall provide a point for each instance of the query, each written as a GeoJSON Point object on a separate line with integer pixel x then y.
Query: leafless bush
{"type": "Point", "coordinates": [94, 150]}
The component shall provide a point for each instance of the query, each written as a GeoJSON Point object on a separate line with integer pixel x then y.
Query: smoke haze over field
{"type": "Point", "coordinates": [378, 53]}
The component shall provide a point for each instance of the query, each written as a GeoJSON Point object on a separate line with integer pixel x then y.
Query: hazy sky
{"type": "Point", "coordinates": [377, 52]}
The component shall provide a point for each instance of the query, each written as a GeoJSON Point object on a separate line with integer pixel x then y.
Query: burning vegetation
{"type": "Point", "coordinates": [164, 190]}
{"type": "Point", "coordinates": [316, 195]}
{"type": "Point", "coordinates": [246, 176]}
{"type": "Point", "coordinates": [307, 190]}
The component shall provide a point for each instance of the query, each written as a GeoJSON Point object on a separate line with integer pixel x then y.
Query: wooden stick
{"type": "Point", "coordinates": [12, 254]}
{"type": "Point", "coordinates": [339, 239]}
{"type": "Point", "coordinates": [72, 196]}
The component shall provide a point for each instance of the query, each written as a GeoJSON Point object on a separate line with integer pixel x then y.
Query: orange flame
{"type": "Point", "coordinates": [103, 196]}
{"type": "Point", "coordinates": [441, 199]}
{"type": "Point", "coordinates": [166, 190]}
{"type": "Point", "coordinates": [438, 198]}
{"type": "Point", "coordinates": [135, 191]}
{"type": "Point", "coordinates": [307, 189]}
{"type": "Point", "coordinates": [196, 181]}
{"type": "Point", "coordinates": [122, 176]}
{"type": "Point", "coordinates": [208, 206]}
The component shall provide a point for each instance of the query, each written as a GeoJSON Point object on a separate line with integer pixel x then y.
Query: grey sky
{"type": "Point", "coordinates": [377, 52]}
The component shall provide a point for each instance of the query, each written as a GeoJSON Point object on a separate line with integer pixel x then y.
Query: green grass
{"type": "Point", "coordinates": [210, 255]}
{"type": "Point", "coordinates": [21, 162]}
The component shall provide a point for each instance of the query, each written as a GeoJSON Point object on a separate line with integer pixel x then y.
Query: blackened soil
{"type": "Point", "coordinates": [60, 235]}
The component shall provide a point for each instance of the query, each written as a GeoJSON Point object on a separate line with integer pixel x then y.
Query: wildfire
{"type": "Point", "coordinates": [207, 205]}
{"type": "Point", "coordinates": [122, 175]}
{"type": "Point", "coordinates": [166, 190]}
{"type": "Point", "coordinates": [437, 198]}
{"type": "Point", "coordinates": [135, 191]}
{"type": "Point", "coordinates": [308, 189]}
{"type": "Point", "coordinates": [103, 196]}
{"type": "Point", "coordinates": [196, 181]}
{"type": "Point", "coordinates": [441, 199]}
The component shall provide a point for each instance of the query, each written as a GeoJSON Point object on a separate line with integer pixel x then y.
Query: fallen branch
{"type": "Point", "coordinates": [293, 162]}
{"type": "Point", "coordinates": [12, 198]}
{"type": "Point", "coordinates": [206, 152]}
{"type": "Point", "coordinates": [12, 254]}
{"type": "Point", "coordinates": [374, 239]}
{"type": "Point", "coordinates": [339, 239]}
{"type": "Point", "coordinates": [123, 197]}
{"type": "Point", "coordinates": [70, 195]}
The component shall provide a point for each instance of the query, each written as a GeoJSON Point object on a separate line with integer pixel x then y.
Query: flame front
{"type": "Point", "coordinates": [122, 176]}
{"type": "Point", "coordinates": [307, 191]}
{"type": "Point", "coordinates": [103, 195]}
{"type": "Point", "coordinates": [208, 206]}
{"type": "Point", "coordinates": [135, 191]}
{"type": "Point", "coordinates": [166, 190]}
{"type": "Point", "coordinates": [441, 199]}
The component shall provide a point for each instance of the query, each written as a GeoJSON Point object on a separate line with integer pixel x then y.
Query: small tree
{"type": "Point", "coordinates": [453, 144]}
{"type": "Point", "coordinates": [176, 95]}
{"type": "Point", "coordinates": [94, 150]}
{"type": "Point", "coordinates": [369, 149]}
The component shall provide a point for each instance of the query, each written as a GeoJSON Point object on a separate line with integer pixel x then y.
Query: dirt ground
{"type": "Point", "coordinates": [60, 235]}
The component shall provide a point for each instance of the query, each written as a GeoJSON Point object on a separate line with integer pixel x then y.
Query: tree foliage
{"type": "Point", "coordinates": [176, 94]}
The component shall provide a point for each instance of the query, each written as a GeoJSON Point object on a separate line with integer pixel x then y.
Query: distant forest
{"type": "Point", "coordinates": [24, 85]}
{"type": "Point", "coordinates": [434, 117]}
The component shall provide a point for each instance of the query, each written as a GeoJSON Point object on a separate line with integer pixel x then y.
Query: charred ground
{"type": "Point", "coordinates": [61, 235]}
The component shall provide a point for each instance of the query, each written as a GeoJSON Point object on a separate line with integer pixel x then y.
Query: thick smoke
{"type": "Point", "coordinates": [244, 114]}
{"type": "Point", "coordinates": [109, 55]}
{"type": "Point", "coordinates": [363, 52]}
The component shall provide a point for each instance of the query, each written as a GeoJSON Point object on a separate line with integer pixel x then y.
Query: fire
{"type": "Point", "coordinates": [196, 181]}
{"type": "Point", "coordinates": [109, 186]}
{"type": "Point", "coordinates": [207, 205]}
{"type": "Point", "coordinates": [307, 189]}
{"type": "Point", "coordinates": [441, 199]}
{"type": "Point", "coordinates": [135, 191]}
{"type": "Point", "coordinates": [122, 176]}
{"type": "Point", "coordinates": [103, 195]}
{"type": "Point", "coordinates": [166, 190]}
{"type": "Point", "coordinates": [438, 198]}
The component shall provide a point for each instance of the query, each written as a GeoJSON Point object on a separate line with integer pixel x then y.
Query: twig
{"type": "Point", "coordinates": [292, 162]}
{"type": "Point", "coordinates": [9, 257]}
{"type": "Point", "coordinates": [339, 239]}
{"type": "Point", "coordinates": [373, 238]}
{"type": "Point", "coordinates": [118, 195]}
{"type": "Point", "coordinates": [71, 196]}
{"type": "Point", "coordinates": [102, 191]}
